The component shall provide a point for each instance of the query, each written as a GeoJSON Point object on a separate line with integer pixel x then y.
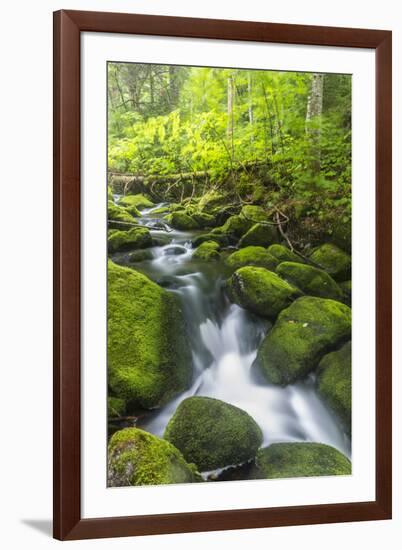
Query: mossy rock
{"type": "Point", "coordinates": [203, 219]}
{"type": "Point", "coordinates": [346, 287]}
{"type": "Point", "coordinates": [253, 213]}
{"type": "Point", "coordinates": [261, 291]}
{"type": "Point", "coordinates": [211, 200]}
{"type": "Point", "coordinates": [181, 220]}
{"type": "Point", "coordinates": [222, 240]}
{"type": "Point", "coordinates": [149, 359]}
{"type": "Point", "coordinates": [259, 235]}
{"type": "Point", "coordinates": [235, 226]}
{"type": "Point", "coordinates": [207, 251]}
{"type": "Point", "coordinates": [308, 329]}
{"type": "Point", "coordinates": [136, 457]}
{"type": "Point", "coordinates": [212, 433]}
{"type": "Point", "coordinates": [283, 254]}
{"type": "Point", "coordinates": [160, 210]}
{"type": "Point", "coordinates": [334, 383]}
{"type": "Point", "coordinates": [118, 217]}
{"type": "Point", "coordinates": [251, 255]}
{"type": "Point", "coordinates": [334, 260]}
{"type": "Point", "coordinates": [289, 460]}
{"type": "Point", "coordinates": [137, 237]}
{"type": "Point", "coordinates": [311, 280]}
{"type": "Point", "coordinates": [342, 236]}
{"type": "Point", "coordinates": [137, 201]}
{"type": "Point", "coordinates": [110, 194]}
{"type": "Point", "coordinates": [140, 255]}
{"type": "Point", "coordinates": [116, 407]}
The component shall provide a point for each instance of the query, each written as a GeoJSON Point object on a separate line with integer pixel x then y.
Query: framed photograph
{"type": "Point", "coordinates": [218, 185]}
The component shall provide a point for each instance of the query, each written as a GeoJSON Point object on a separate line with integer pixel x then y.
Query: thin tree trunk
{"type": "Point", "coordinates": [230, 124]}
{"type": "Point", "coordinates": [313, 119]}
{"type": "Point", "coordinates": [250, 99]}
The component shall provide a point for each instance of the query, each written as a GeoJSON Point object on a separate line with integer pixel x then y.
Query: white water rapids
{"type": "Point", "coordinates": [224, 339]}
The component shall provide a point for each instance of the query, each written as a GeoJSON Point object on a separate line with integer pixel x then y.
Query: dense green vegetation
{"type": "Point", "coordinates": [282, 139]}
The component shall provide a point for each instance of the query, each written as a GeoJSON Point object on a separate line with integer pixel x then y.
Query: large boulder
{"type": "Point", "coordinates": [136, 457]}
{"type": "Point", "coordinates": [308, 329]}
{"type": "Point", "coordinates": [235, 227]}
{"type": "Point", "coordinates": [212, 433]}
{"type": "Point", "coordinates": [138, 201]}
{"type": "Point", "coordinates": [203, 219]}
{"type": "Point", "coordinates": [311, 280]}
{"type": "Point", "coordinates": [259, 235]}
{"type": "Point", "coordinates": [288, 460]}
{"type": "Point", "coordinates": [283, 254]}
{"type": "Point", "coordinates": [260, 291]}
{"type": "Point", "coordinates": [251, 255]}
{"type": "Point", "coordinates": [334, 260]}
{"type": "Point", "coordinates": [342, 236]}
{"type": "Point", "coordinates": [253, 213]}
{"type": "Point", "coordinates": [149, 359]}
{"type": "Point", "coordinates": [118, 217]}
{"type": "Point", "coordinates": [212, 200]}
{"type": "Point", "coordinates": [223, 240]}
{"type": "Point", "coordinates": [181, 220]}
{"type": "Point", "coordinates": [136, 237]}
{"type": "Point", "coordinates": [209, 250]}
{"type": "Point", "coordinates": [334, 383]}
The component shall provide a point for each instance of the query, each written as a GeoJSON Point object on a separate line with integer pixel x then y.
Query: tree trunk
{"type": "Point", "coordinates": [250, 99]}
{"type": "Point", "coordinates": [230, 124]}
{"type": "Point", "coordinates": [313, 119]}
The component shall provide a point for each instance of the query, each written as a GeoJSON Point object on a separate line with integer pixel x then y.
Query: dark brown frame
{"type": "Point", "coordinates": [68, 26]}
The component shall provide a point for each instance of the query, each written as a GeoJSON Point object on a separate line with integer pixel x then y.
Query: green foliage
{"type": "Point", "coordinates": [213, 434]}
{"type": "Point", "coordinates": [136, 457]}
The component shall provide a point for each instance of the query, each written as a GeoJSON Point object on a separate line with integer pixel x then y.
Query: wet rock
{"type": "Point", "coordinates": [181, 220]}
{"type": "Point", "coordinates": [138, 201]}
{"type": "Point", "coordinates": [259, 235]}
{"type": "Point", "coordinates": [174, 250]}
{"type": "Point", "coordinates": [119, 218]}
{"type": "Point", "coordinates": [261, 291]}
{"type": "Point", "coordinates": [213, 434]}
{"type": "Point", "coordinates": [207, 251]}
{"type": "Point", "coordinates": [308, 329]}
{"type": "Point", "coordinates": [334, 260]}
{"type": "Point", "coordinates": [136, 457]}
{"type": "Point", "coordinates": [251, 255]}
{"type": "Point", "coordinates": [140, 256]}
{"type": "Point", "coordinates": [137, 237]}
{"type": "Point", "coordinates": [346, 287]}
{"type": "Point", "coordinates": [283, 254]}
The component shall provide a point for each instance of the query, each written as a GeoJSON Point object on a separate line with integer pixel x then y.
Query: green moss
{"type": "Point", "coordinates": [136, 201]}
{"type": "Point", "coordinates": [302, 334]}
{"type": "Point", "coordinates": [261, 291]}
{"type": "Point", "coordinates": [160, 210]}
{"type": "Point", "coordinates": [334, 260]}
{"type": "Point", "coordinates": [212, 433]}
{"type": "Point", "coordinates": [289, 460]}
{"type": "Point", "coordinates": [342, 236]}
{"type": "Point", "coordinates": [312, 281]}
{"type": "Point", "coordinates": [212, 199]}
{"type": "Point", "coordinates": [334, 383]}
{"type": "Point", "coordinates": [203, 219]}
{"type": "Point", "coordinates": [222, 240]}
{"type": "Point", "coordinates": [115, 407]}
{"type": "Point", "coordinates": [137, 237]}
{"type": "Point", "coordinates": [253, 213]}
{"type": "Point", "coordinates": [283, 254]}
{"type": "Point", "coordinates": [149, 360]}
{"type": "Point", "coordinates": [209, 250]}
{"type": "Point", "coordinates": [181, 220]}
{"type": "Point", "coordinates": [251, 255]}
{"type": "Point", "coordinates": [118, 217]}
{"type": "Point", "coordinates": [136, 457]}
{"type": "Point", "coordinates": [259, 235]}
{"type": "Point", "coordinates": [109, 194]}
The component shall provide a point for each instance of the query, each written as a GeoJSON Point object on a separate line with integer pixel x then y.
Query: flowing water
{"type": "Point", "coordinates": [224, 339]}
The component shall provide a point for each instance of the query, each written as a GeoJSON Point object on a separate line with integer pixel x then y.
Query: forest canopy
{"type": "Point", "coordinates": [284, 137]}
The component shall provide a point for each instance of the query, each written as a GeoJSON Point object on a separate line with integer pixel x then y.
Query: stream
{"type": "Point", "coordinates": [224, 339]}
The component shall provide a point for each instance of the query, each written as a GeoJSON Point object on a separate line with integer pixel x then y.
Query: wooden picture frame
{"type": "Point", "coordinates": [68, 26]}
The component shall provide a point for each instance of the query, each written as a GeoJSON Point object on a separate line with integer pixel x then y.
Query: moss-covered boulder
{"type": "Point", "coordinates": [209, 250]}
{"type": "Point", "coordinates": [312, 281]}
{"type": "Point", "coordinates": [342, 236]}
{"type": "Point", "coordinates": [136, 457]}
{"type": "Point", "coordinates": [334, 260]}
{"type": "Point", "coordinates": [140, 255]}
{"type": "Point", "coordinates": [136, 237]}
{"type": "Point", "coordinates": [334, 383]}
{"type": "Point", "coordinates": [308, 329]}
{"type": "Point", "coordinates": [212, 433]}
{"type": "Point", "coordinates": [253, 213]}
{"type": "Point", "coordinates": [181, 220]}
{"type": "Point", "coordinates": [251, 255]}
{"type": "Point", "coordinates": [235, 226]}
{"type": "Point", "coordinates": [283, 254]}
{"type": "Point", "coordinates": [118, 217]}
{"type": "Point", "coordinates": [116, 407]}
{"type": "Point", "coordinates": [203, 219]}
{"type": "Point", "coordinates": [259, 235]}
{"type": "Point", "coordinates": [211, 200]}
{"type": "Point", "coordinates": [260, 291]}
{"type": "Point", "coordinates": [161, 210]}
{"type": "Point", "coordinates": [222, 240]}
{"type": "Point", "coordinates": [288, 460]}
{"type": "Point", "coordinates": [149, 360]}
{"type": "Point", "coordinates": [138, 201]}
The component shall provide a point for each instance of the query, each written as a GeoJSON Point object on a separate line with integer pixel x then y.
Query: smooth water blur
{"type": "Point", "coordinates": [224, 339]}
